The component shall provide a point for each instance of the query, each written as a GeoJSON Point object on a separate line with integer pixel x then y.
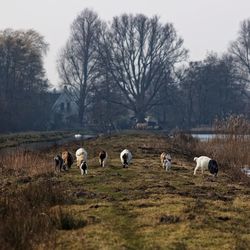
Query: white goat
{"type": "Point", "coordinates": [125, 157]}
{"type": "Point", "coordinates": [166, 161]}
{"type": "Point", "coordinates": [103, 155]}
{"type": "Point", "coordinates": [206, 163]}
{"type": "Point", "coordinates": [81, 160]}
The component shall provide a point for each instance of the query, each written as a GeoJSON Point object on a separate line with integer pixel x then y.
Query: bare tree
{"type": "Point", "coordinates": [240, 50]}
{"type": "Point", "coordinates": [140, 53]}
{"type": "Point", "coordinates": [78, 60]}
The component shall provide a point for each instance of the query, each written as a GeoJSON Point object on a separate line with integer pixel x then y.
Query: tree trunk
{"type": "Point", "coordinates": [140, 115]}
{"type": "Point", "coordinates": [81, 113]}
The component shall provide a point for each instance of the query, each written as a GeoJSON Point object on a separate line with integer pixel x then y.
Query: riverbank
{"type": "Point", "coordinates": [14, 140]}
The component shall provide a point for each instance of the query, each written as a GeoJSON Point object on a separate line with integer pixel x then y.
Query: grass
{"type": "Point", "coordinates": [142, 207]}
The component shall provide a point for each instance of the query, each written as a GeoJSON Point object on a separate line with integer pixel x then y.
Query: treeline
{"type": "Point", "coordinates": [132, 67]}
{"type": "Point", "coordinates": [23, 84]}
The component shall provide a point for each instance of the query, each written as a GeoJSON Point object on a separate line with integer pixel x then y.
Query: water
{"type": "Point", "coordinates": [45, 144]}
{"type": "Point", "coordinates": [204, 137]}
{"type": "Point", "coordinates": [207, 137]}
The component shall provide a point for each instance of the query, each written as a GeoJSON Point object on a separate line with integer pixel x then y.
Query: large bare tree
{"type": "Point", "coordinates": [240, 50]}
{"type": "Point", "coordinates": [140, 54]}
{"type": "Point", "coordinates": [78, 59]}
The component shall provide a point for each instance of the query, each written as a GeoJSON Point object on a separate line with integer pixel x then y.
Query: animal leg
{"type": "Point", "coordinates": [195, 170]}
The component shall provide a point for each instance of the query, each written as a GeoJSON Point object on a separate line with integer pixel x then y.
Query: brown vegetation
{"type": "Point", "coordinates": [142, 207]}
{"type": "Point", "coordinates": [231, 146]}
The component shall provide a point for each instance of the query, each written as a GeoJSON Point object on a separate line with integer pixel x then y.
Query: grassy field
{"type": "Point", "coordinates": [142, 207]}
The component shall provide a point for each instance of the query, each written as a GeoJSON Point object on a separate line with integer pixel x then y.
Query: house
{"type": "Point", "coordinates": [64, 111]}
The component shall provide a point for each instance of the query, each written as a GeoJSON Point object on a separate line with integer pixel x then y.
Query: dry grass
{"type": "Point", "coordinates": [25, 220]}
{"type": "Point", "coordinates": [142, 207]}
{"type": "Point", "coordinates": [232, 149]}
{"type": "Point", "coordinates": [21, 162]}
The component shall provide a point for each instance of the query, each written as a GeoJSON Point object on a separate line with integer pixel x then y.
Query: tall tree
{"type": "Point", "coordinates": [211, 89]}
{"type": "Point", "coordinates": [77, 64]}
{"type": "Point", "coordinates": [140, 55]}
{"type": "Point", "coordinates": [22, 77]}
{"type": "Point", "coordinates": [240, 50]}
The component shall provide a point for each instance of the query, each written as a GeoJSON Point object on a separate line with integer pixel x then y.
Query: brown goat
{"type": "Point", "coordinates": [67, 159]}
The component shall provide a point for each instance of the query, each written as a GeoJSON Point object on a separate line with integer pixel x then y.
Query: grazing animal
{"type": "Point", "coordinates": [141, 126]}
{"type": "Point", "coordinates": [205, 163]}
{"type": "Point", "coordinates": [166, 161]}
{"type": "Point", "coordinates": [58, 162]}
{"type": "Point", "coordinates": [103, 155]}
{"type": "Point", "coordinates": [125, 157]}
{"type": "Point", "coordinates": [67, 160]}
{"type": "Point", "coordinates": [81, 160]}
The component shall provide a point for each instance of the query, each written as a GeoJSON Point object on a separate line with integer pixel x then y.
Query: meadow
{"type": "Point", "coordinates": [142, 207]}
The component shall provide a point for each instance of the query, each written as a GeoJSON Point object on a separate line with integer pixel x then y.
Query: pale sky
{"type": "Point", "coordinates": [205, 25]}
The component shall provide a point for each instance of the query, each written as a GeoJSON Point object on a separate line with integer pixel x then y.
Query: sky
{"type": "Point", "coordinates": [205, 25]}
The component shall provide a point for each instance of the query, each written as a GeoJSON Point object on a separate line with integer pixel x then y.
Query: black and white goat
{"type": "Point", "coordinates": [125, 157]}
{"type": "Point", "coordinates": [206, 163]}
{"type": "Point", "coordinates": [58, 163]}
{"type": "Point", "coordinates": [166, 161]}
{"type": "Point", "coordinates": [103, 156]}
{"type": "Point", "coordinates": [81, 160]}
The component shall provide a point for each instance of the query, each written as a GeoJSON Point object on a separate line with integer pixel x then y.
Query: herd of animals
{"type": "Point", "coordinates": [66, 159]}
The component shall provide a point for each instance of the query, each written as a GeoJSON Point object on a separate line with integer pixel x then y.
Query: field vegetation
{"type": "Point", "coordinates": [142, 207]}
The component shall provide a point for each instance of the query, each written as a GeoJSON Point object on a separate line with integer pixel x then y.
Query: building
{"type": "Point", "coordinates": [64, 111]}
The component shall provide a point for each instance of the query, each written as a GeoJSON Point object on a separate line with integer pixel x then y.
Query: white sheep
{"type": "Point", "coordinates": [206, 163]}
{"type": "Point", "coordinates": [103, 155]}
{"type": "Point", "coordinates": [125, 157]}
{"type": "Point", "coordinates": [81, 160]}
{"type": "Point", "coordinates": [166, 161]}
